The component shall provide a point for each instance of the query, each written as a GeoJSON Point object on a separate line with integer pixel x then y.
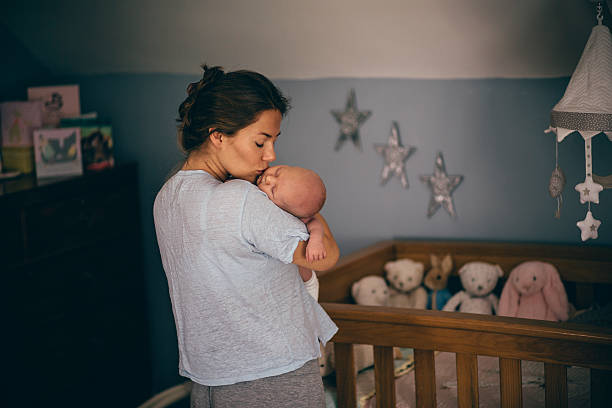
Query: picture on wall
{"type": "Point", "coordinates": [58, 102]}
{"type": "Point", "coordinates": [57, 152]}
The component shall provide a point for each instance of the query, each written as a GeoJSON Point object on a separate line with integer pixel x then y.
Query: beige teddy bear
{"type": "Point", "coordinates": [406, 277]}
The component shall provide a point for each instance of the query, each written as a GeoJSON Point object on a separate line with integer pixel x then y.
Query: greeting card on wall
{"type": "Point", "coordinates": [58, 102]}
{"type": "Point", "coordinates": [57, 152]}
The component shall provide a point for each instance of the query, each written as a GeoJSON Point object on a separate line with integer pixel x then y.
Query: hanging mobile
{"type": "Point", "coordinates": [588, 226]}
{"type": "Point", "coordinates": [557, 181]}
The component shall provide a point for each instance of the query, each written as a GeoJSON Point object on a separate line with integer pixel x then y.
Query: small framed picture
{"type": "Point", "coordinates": [97, 147]}
{"type": "Point", "coordinates": [58, 102]}
{"type": "Point", "coordinates": [57, 152]}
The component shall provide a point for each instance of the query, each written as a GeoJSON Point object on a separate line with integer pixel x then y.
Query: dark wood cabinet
{"type": "Point", "coordinates": [70, 257]}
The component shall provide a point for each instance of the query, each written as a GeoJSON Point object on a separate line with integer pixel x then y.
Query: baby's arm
{"type": "Point", "coordinates": [331, 249]}
{"type": "Point", "coordinates": [310, 281]}
{"type": "Point", "coordinates": [315, 249]}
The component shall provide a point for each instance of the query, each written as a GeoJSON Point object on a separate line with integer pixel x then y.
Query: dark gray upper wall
{"type": "Point", "coordinates": [307, 39]}
{"type": "Point", "coordinates": [19, 68]}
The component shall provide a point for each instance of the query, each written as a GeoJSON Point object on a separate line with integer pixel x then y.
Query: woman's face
{"type": "Point", "coordinates": [248, 153]}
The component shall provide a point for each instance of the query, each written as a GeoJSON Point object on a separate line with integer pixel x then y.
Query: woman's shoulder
{"type": "Point", "coordinates": [236, 188]}
{"type": "Point", "coordinates": [239, 184]}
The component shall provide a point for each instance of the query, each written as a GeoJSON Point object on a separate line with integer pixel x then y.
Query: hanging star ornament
{"type": "Point", "coordinates": [589, 190]}
{"type": "Point", "coordinates": [350, 119]}
{"type": "Point", "coordinates": [588, 227]}
{"type": "Point", "coordinates": [441, 186]}
{"type": "Point", "coordinates": [395, 156]}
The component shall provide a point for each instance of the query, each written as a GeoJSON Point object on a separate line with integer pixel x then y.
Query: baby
{"type": "Point", "coordinates": [300, 192]}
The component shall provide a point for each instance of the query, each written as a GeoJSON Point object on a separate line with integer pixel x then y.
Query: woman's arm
{"type": "Point", "coordinates": [331, 247]}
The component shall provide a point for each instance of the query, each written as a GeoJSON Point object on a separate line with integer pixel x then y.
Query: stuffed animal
{"type": "Point", "coordinates": [534, 291]}
{"type": "Point", "coordinates": [436, 280]}
{"type": "Point", "coordinates": [478, 280]}
{"type": "Point", "coordinates": [405, 277]}
{"type": "Point", "coordinates": [371, 290]}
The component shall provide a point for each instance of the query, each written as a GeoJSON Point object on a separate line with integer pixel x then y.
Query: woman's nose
{"type": "Point", "coordinates": [269, 155]}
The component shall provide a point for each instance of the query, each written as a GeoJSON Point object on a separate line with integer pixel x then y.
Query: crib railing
{"type": "Point", "coordinates": [467, 335]}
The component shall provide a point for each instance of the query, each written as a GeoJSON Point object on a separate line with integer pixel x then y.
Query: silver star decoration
{"type": "Point", "coordinates": [588, 227]}
{"type": "Point", "coordinates": [589, 190]}
{"type": "Point", "coordinates": [395, 155]}
{"type": "Point", "coordinates": [350, 119]}
{"type": "Point", "coordinates": [441, 186]}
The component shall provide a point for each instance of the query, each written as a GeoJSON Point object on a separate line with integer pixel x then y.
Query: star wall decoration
{"type": "Point", "coordinates": [588, 227]}
{"type": "Point", "coordinates": [589, 190]}
{"type": "Point", "coordinates": [350, 119]}
{"type": "Point", "coordinates": [395, 156]}
{"type": "Point", "coordinates": [441, 186]}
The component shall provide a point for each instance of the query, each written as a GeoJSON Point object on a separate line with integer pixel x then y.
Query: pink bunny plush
{"type": "Point", "coordinates": [534, 291]}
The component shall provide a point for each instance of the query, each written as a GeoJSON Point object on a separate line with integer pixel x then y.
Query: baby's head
{"type": "Point", "coordinates": [296, 190]}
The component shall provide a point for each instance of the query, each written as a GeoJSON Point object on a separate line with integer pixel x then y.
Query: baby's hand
{"type": "Point", "coordinates": [315, 251]}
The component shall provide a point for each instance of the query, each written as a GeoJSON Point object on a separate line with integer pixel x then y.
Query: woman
{"type": "Point", "coordinates": [248, 331]}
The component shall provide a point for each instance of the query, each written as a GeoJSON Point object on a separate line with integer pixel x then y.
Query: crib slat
{"type": "Point", "coordinates": [384, 371]}
{"type": "Point", "coordinates": [467, 380]}
{"type": "Point", "coordinates": [424, 378]}
{"type": "Point", "coordinates": [556, 385]}
{"type": "Point", "coordinates": [601, 382]}
{"type": "Point", "coordinates": [510, 383]}
{"type": "Point", "coordinates": [346, 381]}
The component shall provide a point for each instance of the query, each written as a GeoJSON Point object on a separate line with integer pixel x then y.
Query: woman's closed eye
{"type": "Point", "coordinates": [260, 145]}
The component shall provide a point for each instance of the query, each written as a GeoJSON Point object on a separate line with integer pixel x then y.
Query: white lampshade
{"type": "Point", "coordinates": [586, 106]}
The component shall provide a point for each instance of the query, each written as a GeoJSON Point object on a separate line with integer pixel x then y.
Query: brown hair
{"type": "Point", "coordinates": [225, 102]}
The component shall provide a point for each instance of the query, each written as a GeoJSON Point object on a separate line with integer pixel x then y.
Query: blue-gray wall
{"type": "Point", "coordinates": [490, 131]}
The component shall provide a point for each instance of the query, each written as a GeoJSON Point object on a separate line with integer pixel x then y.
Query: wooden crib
{"type": "Point", "coordinates": [586, 271]}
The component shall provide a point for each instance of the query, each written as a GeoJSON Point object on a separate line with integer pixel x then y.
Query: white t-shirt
{"type": "Point", "coordinates": [241, 309]}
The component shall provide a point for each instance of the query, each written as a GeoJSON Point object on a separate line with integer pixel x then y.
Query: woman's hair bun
{"type": "Point", "coordinates": [210, 75]}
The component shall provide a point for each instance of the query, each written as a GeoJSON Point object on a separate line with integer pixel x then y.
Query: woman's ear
{"type": "Point", "coordinates": [216, 137]}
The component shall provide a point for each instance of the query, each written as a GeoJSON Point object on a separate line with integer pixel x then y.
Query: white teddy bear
{"type": "Point", "coordinates": [406, 278]}
{"type": "Point", "coordinates": [478, 280]}
{"type": "Point", "coordinates": [371, 290]}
